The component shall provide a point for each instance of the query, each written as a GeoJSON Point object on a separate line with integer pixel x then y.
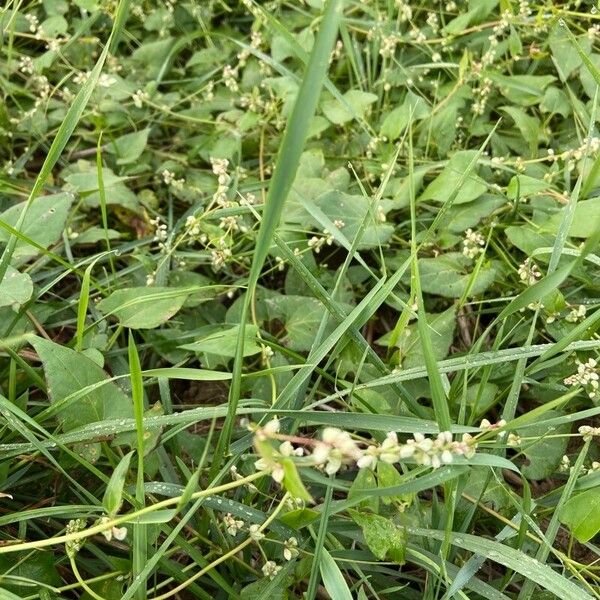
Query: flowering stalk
{"type": "Point", "coordinates": [337, 448]}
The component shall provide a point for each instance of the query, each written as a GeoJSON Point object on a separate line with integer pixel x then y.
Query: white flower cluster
{"type": "Point", "coordinates": [587, 432]}
{"type": "Point", "coordinates": [482, 93]}
{"type": "Point", "coordinates": [472, 244]}
{"type": "Point", "coordinates": [160, 230]}
{"type": "Point", "coordinates": [529, 272]}
{"type": "Point", "coordinates": [219, 256]}
{"type": "Point", "coordinates": [587, 147]}
{"type": "Point", "coordinates": [317, 242]}
{"type": "Point", "coordinates": [232, 525]}
{"type": "Point", "coordinates": [587, 376]}
{"type": "Point", "coordinates": [119, 533]}
{"type": "Point", "coordinates": [577, 314]}
{"type": "Point", "coordinates": [26, 65]}
{"type": "Point", "coordinates": [338, 448]}
{"type": "Point", "coordinates": [230, 76]}
{"type": "Point", "coordinates": [230, 223]}
{"type": "Point", "coordinates": [219, 168]}
{"type": "Point", "coordinates": [171, 180]}
{"type": "Point", "coordinates": [33, 21]}
{"type": "Point", "coordinates": [256, 42]}
{"type": "Point", "coordinates": [270, 569]}
{"type": "Point", "coordinates": [139, 98]}
{"type": "Point", "coordinates": [404, 10]}
{"type": "Point", "coordinates": [74, 546]}
{"type": "Point", "coordinates": [192, 228]}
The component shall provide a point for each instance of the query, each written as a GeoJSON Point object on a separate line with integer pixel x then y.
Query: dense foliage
{"type": "Point", "coordinates": [299, 299]}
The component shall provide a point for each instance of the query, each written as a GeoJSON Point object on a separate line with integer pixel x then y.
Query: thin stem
{"type": "Point", "coordinates": [225, 556]}
{"type": "Point", "coordinates": [128, 517]}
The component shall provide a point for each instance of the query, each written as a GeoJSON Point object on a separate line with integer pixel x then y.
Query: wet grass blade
{"type": "Point", "coordinates": [139, 529]}
{"type": "Point", "coordinates": [286, 166]}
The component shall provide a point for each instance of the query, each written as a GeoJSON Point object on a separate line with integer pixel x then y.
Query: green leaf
{"type": "Point", "coordinates": [44, 223]}
{"type": "Point", "coordinates": [223, 339]}
{"type": "Point", "coordinates": [16, 288]}
{"type": "Point", "coordinates": [151, 435]}
{"type": "Point", "coordinates": [528, 126]}
{"type": "Point", "coordinates": [130, 146]}
{"type": "Point", "coordinates": [443, 186]}
{"type": "Point", "coordinates": [144, 307]}
{"type": "Point", "coordinates": [514, 559]}
{"type": "Point", "coordinates": [299, 518]}
{"type": "Point", "coordinates": [54, 26]}
{"type": "Point", "coordinates": [586, 220]}
{"type": "Point", "coordinates": [113, 495]}
{"type": "Point", "coordinates": [565, 60]}
{"type": "Point", "coordinates": [581, 514]}
{"type": "Point", "coordinates": [67, 372]}
{"type": "Point", "coordinates": [292, 481]}
{"type": "Point", "coordinates": [389, 477]}
{"type": "Point", "coordinates": [333, 580]}
{"type": "Point", "coordinates": [355, 106]}
{"type": "Point", "coordinates": [523, 186]}
{"type": "Point", "coordinates": [449, 275]}
{"type": "Point", "coordinates": [459, 218]}
{"type": "Point", "coordinates": [385, 539]}
{"type": "Point", "coordinates": [524, 90]}
{"type": "Point", "coordinates": [276, 589]}
{"type": "Point", "coordinates": [364, 481]}
{"type": "Point", "coordinates": [544, 454]}
{"type": "Point", "coordinates": [37, 567]}
{"type": "Point", "coordinates": [301, 316]}
{"type": "Point", "coordinates": [351, 210]}
{"type": "Point", "coordinates": [410, 351]}
{"type": "Point", "coordinates": [414, 108]}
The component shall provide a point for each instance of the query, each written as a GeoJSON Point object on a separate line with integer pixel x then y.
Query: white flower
{"type": "Point", "coordinates": [529, 272]}
{"type": "Point", "coordinates": [286, 449]}
{"type": "Point", "coordinates": [369, 458]}
{"type": "Point", "coordinates": [272, 426]}
{"type": "Point", "coordinates": [565, 464]}
{"type": "Point", "coordinates": [139, 98]}
{"type": "Point", "coordinates": [587, 432]}
{"type": "Point", "coordinates": [390, 448]}
{"type": "Point", "coordinates": [290, 548]}
{"type": "Point", "coordinates": [272, 467]}
{"type": "Point", "coordinates": [513, 440]}
{"type": "Point", "coordinates": [473, 244]}
{"type": "Point", "coordinates": [270, 569]}
{"type": "Point", "coordinates": [587, 376]}
{"type": "Point", "coordinates": [577, 314]}
{"type": "Point", "coordinates": [255, 533]}
{"type": "Point", "coordinates": [119, 533]}
{"type": "Point", "coordinates": [232, 525]}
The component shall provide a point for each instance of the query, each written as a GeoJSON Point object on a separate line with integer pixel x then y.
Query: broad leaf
{"type": "Point", "coordinates": [385, 539]}
{"type": "Point", "coordinates": [144, 307]}
{"type": "Point", "coordinates": [44, 223]}
{"type": "Point", "coordinates": [355, 105]}
{"type": "Point", "coordinates": [441, 188]}
{"type": "Point", "coordinates": [222, 341]}
{"type": "Point", "coordinates": [68, 372]}
{"type": "Point", "coordinates": [130, 146]}
{"type": "Point", "coordinates": [544, 454]}
{"type": "Point", "coordinates": [450, 275]}
{"type": "Point", "coordinates": [581, 514]}
{"type": "Point", "coordinates": [16, 288]}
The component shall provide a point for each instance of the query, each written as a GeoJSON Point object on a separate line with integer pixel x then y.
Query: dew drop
{"type": "Point", "coordinates": [562, 23]}
{"type": "Point", "coordinates": [594, 10]}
